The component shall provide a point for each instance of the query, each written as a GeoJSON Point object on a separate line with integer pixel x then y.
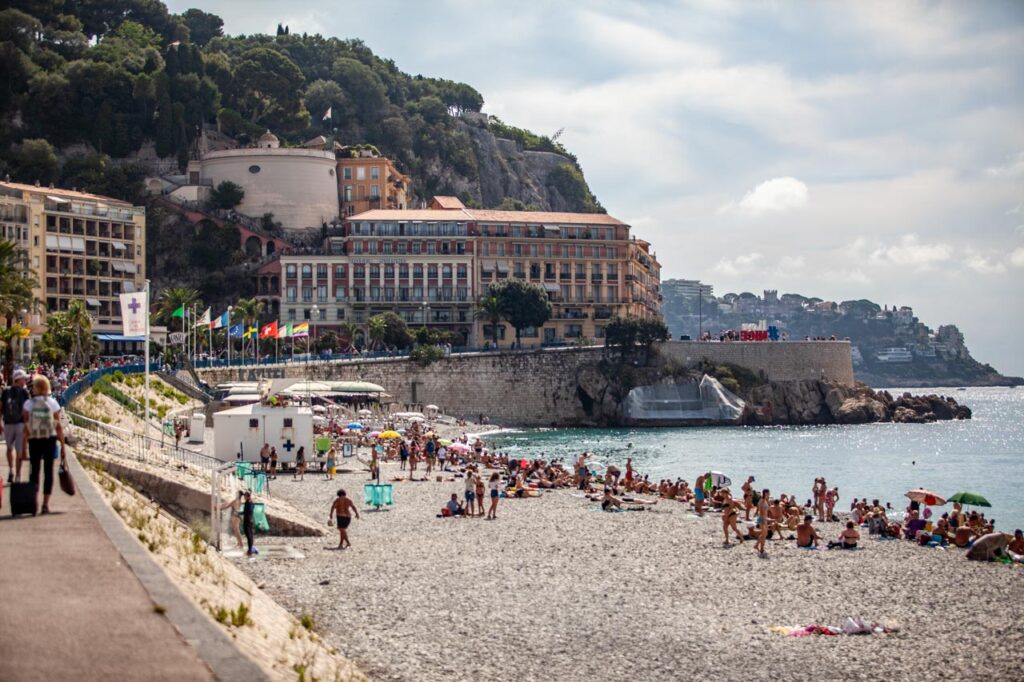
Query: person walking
{"type": "Point", "coordinates": [332, 463]}
{"type": "Point", "coordinates": [13, 400]}
{"type": "Point", "coordinates": [343, 508]}
{"type": "Point", "coordinates": [43, 432]}
{"type": "Point", "coordinates": [478, 482]}
{"type": "Point", "coordinates": [273, 462]}
{"type": "Point", "coordinates": [493, 485]}
{"type": "Point", "coordinates": [249, 523]}
{"type": "Point", "coordinates": [265, 457]}
{"type": "Point", "coordinates": [300, 464]}
{"type": "Point", "coordinates": [235, 506]}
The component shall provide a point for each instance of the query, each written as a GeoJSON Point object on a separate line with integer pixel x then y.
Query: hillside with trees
{"type": "Point", "coordinates": [90, 87]}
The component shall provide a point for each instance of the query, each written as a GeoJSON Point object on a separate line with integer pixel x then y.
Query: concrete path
{"type": "Point", "coordinates": [71, 608]}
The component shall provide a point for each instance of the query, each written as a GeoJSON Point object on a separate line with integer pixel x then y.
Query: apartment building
{"type": "Point", "coordinates": [368, 181]}
{"type": "Point", "coordinates": [82, 247]}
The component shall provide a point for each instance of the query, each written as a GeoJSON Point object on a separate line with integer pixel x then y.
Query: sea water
{"type": "Point", "coordinates": [982, 455]}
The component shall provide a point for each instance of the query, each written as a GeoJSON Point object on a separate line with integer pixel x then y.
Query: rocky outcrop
{"type": "Point", "coordinates": [823, 402]}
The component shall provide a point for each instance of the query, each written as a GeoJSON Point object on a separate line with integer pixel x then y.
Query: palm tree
{"type": "Point", "coordinates": [171, 299]}
{"type": "Point", "coordinates": [80, 327]}
{"type": "Point", "coordinates": [348, 330]}
{"type": "Point", "coordinates": [490, 310]}
{"type": "Point", "coordinates": [247, 311]}
{"type": "Point", "coordinates": [377, 327]}
{"type": "Point", "coordinates": [17, 282]}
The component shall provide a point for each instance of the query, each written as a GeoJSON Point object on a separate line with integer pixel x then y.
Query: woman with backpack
{"type": "Point", "coordinates": [43, 431]}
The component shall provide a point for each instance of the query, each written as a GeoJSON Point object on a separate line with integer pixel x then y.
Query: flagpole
{"type": "Point", "coordinates": [146, 356]}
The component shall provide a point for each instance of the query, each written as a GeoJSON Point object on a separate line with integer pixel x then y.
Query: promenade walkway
{"type": "Point", "coordinates": [71, 606]}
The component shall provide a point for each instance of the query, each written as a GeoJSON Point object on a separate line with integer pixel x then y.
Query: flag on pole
{"type": "Point", "coordinates": [253, 331]}
{"type": "Point", "coordinates": [269, 331]}
{"type": "Point", "coordinates": [204, 318]}
{"type": "Point", "coordinates": [284, 331]}
{"type": "Point", "coordinates": [220, 321]}
{"type": "Point", "coordinates": [300, 330]}
{"type": "Point", "coordinates": [180, 312]}
{"type": "Point", "coordinates": [134, 309]}
{"type": "Point", "coordinates": [328, 114]}
{"type": "Point", "coordinates": [235, 330]}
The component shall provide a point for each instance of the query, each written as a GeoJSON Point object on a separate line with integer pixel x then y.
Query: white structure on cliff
{"type": "Point", "coordinates": [298, 185]}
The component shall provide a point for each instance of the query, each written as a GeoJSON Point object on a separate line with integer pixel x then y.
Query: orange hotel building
{"type": "Point", "coordinates": [432, 265]}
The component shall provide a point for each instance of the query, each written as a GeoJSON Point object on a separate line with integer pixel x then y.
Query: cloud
{"type": "Point", "coordinates": [1013, 168]}
{"type": "Point", "coordinates": [1017, 257]}
{"type": "Point", "coordinates": [771, 196]}
{"type": "Point", "coordinates": [911, 252]}
{"type": "Point", "coordinates": [983, 266]}
{"type": "Point", "coordinates": [738, 265]}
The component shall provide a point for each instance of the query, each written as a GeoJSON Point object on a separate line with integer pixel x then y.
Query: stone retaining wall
{"type": "Point", "coordinates": [538, 388]}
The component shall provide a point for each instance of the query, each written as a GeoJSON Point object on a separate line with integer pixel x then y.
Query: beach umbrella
{"type": "Point", "coordinates": [390, 434]}
{"type": "Point", "coordinates": [973, 499]}
{"type": "Point", "coordinates": [416, 419]}
{"type": "Point", "coordinates": [444, 441]}
{"type": "Point", "coordinates": [926, 497]}
{"type": "Point", "coordinates": [355, 426]}
{"type": "Point", "coordinates": [319, 408]}
{"type": "Point", "coordinates": [374, 434]}
{"type": "Point", "coordinates": [431, 407]}
{"type": "Point", "coordinates": [459, 447]}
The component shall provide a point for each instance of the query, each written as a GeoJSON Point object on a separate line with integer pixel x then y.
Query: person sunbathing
{"type": "Point", "coordinates": [792, 518]}
{"type": "Point", "coordinates": [964, 537]}
{"type": "Point", "coordinates": [1017, 544]}
{"type": "Point", "coordinates": [610, 501]}
{"type": "Point", "coordinates": [806, 536]}
{"type": "Point", "coordinates": [848, 538]}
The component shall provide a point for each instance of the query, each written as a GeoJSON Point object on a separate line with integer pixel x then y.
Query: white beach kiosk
{"type": "Point", "coordinates": [243, 431]}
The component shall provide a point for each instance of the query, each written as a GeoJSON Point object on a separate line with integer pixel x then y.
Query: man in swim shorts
{"type": "Point", "coordinates": [806, 536]}
{"type": "Point", "coordinates": [343, 507]}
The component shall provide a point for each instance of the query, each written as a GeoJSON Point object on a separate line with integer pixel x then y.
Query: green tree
{"type": "Point", "coordinates": [36, 160]}
{"type": "Point", "coordinates": [268, 88]}
{"type": "Point", "coordinates": [17, 284]}
{"type": "Point", "coordinates": [170, 300]}
{"type": "Point", "coordinates": [202, 26]}
{"type": "Point", "coordinates": [363, 87]}
{"type": "Point", "coordinates": [490, 310]}
{"type": "Point", "coordinates": [630, 334]}
{"type": "Point", "coordinates": [389, 330]}
{"type": "Point", "coordinates": [523, 304]}
{"type": "Point", "coordinates": [570, 184]}
{"type": "Point", "coordinates": [227, 195]}
{"type": "Point", "coordinates": [79, 327]}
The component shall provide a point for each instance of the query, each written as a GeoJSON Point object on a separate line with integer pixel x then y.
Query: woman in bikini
{"type": "Point", "coordinates": [729, 518]}
{"type": "Point", "coordinates": [235, 506]}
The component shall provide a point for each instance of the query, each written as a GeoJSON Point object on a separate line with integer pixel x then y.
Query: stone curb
{"type": "Point", "coordinates": [213, 646]}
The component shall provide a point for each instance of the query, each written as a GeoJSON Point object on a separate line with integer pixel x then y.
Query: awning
{"type": "Point", "coordinates": [130, 267]}
{"type": "Point", "coordinates": [553, 288]}
{"type": "Point", "coordinates": [52, 242]}
{"type": "Point", "coordinates": [552, 228]}
{"type": "Point", "coordinates": [57, 200]}
{"type": "Point", "coordinates": [119, 337]}
{"type": "Point", "coordinates": [487, 265]}
{"type": "Point", "coordinates": [78, 244]}
{"type": "Point", "coordinates": [502, 266]}
{"type": "Point", "coordinates": [92, 302]}
{"type": "Point", "coordinates": [118, 246]}
{"type": "Point", "coordinates": [117, 266]}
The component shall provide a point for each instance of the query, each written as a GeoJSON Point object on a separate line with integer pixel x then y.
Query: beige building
{"type": "Point", "coordinates": [81, 246]}
{"type": "Point", "coordinates": [368, 181]}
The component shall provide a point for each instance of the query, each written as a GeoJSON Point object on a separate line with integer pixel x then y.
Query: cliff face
{"type": "Point", "coordinates": [509, 176]}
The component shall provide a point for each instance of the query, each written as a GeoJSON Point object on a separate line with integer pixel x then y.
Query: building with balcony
{"type": "Point", "coordinates": [368, 181]}
{"type": "Point", "coordinates": [82, 247]}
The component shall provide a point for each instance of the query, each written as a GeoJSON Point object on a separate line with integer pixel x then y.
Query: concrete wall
{"type": "Point", "coordinates": [540, 388]}
{"type": "Point", "coordinates": [297, 185]}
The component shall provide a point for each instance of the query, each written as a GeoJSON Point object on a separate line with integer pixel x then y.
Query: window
{"type": "Point", "coordinates": [446, 270]}
{"type": "Point", "coordinates": [346, 173]}
{"type": "Point", "coordinates": [360, 173]}
{"type": "Point", "coordinates": [254, 169]}
{"type": "Point", "coordinates": [517, 249]}
{"type": "Point", "coordinates": [417, 271]}
{"type": "Point", "coordinates": [254, 423]}
{"type": "Point", "coordinates": [291, 314]}
{"type": "Point", "coordinates": [357, 247]}
{"type": "Point", "coordinates": [321, 271]}
{"type": "Point", "coordinates": [375, 191]}
{"type": "Point", "coordinates": [432, 271]}
{"type": "Point", "coordinates": [307, 294]}
{"type": "Point", "coordinates": [431, 248]}
{"type": "Point", "coordinates": [321, 293]}
{"type": "Point", "coordinates": [416, 246]}
{"type": "Point", "coordinates": [389, 271]}
{"type": "Point", "coordinates": [348, 188]}
{"type": "Point", "coordinates": [598, 332]}
{"type": "Point", "coordinates": [501, 248]}
{"type": "Point", "coordinates": [339, 272]}
{"type": "Point", "coordinates": [402, 246]}
{"type": "Point", "coordinates": [549, 334]}
{"type": "Point", "coordinates": [374, 272]}
{"type": "Point", "coordinates": [323, 313]}
{"type": "Point", "coordinates": [289, 270]}
{"type": "Point", "coordinates": [340, 313]}
{"type": "Point", "coordinates": [533, 250]}
{"type": "Point", "coordinates": [529, 332]}
{"type": "Point", "coordinates": [307, 271]}
{"type": "Point", "coordinates": [374, 173]}
{"type": "Point", "coordinates": [339, 292]}
{"type": "Point", "coordinates": [290, 294]}
{"type": "Point", "coordinates": [386, 248]}
{"type": "Point", "coordinates": [373, 247]}
{"type": "Point", "coordinates": [359, 272]}
{"type": "Point", "coordinates": [461, 271]}
{"type": "Point", "coordinates": [374, 293]}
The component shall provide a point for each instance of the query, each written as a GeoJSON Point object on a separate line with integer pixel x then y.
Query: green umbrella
{"type": "Point", "coordinates": [973, 499]}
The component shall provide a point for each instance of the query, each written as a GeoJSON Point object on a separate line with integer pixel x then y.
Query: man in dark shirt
{"type": "Point", "coordinates": [248, 523]}
{"type": "Point", "coordinates": [12, 401]}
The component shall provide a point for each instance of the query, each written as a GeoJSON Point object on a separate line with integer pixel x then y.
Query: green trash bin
{"type": "Point", "coordinates": [259, 517]}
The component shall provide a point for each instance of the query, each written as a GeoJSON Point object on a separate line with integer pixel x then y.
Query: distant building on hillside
{"type": "Point", "coordinates": [368, 181]}
{"type": "Point", "coordinates": [687, 288]}
{"type": "Point", "coordinates": [297, 185]}
{"type": "Point", "coordinates": [82, 247]}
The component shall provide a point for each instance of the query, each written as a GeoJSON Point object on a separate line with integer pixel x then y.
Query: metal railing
{"type": "Point", "coordinates": [140, 447]}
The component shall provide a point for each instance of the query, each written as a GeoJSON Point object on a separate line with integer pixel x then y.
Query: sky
{"type": "Point", "coordinates": [840, 150]}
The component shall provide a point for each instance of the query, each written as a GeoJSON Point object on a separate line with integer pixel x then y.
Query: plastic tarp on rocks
{"type": "Point", "coordinates": [704, 401]}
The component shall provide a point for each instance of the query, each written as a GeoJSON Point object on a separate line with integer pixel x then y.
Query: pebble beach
{"type": "Point", "coordinates": [554, 589]}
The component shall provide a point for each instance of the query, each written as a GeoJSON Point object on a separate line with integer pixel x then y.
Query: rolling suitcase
{"type": "Point", "coordinates": [23, 498]}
